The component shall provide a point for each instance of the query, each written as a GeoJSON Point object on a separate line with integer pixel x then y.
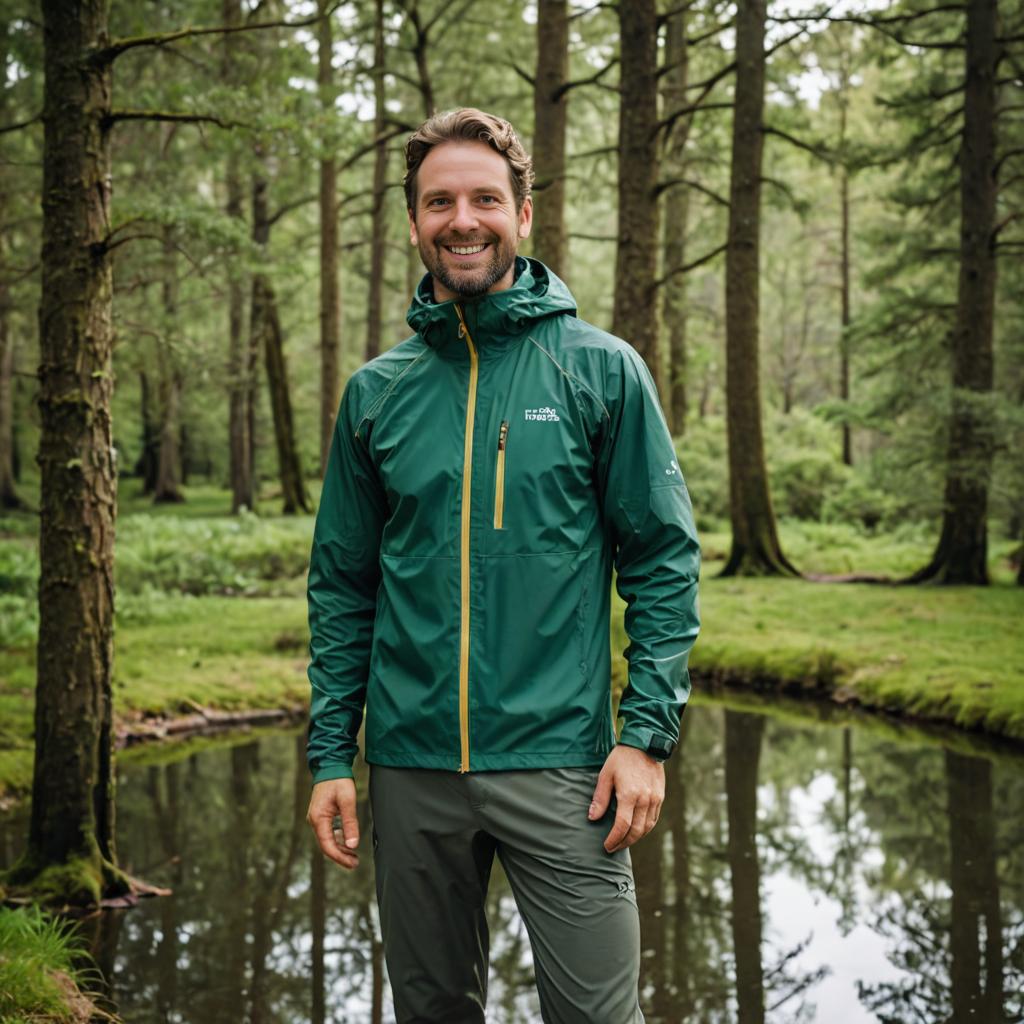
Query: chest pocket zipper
{"type": "Point", "coordinates": [499, 478]}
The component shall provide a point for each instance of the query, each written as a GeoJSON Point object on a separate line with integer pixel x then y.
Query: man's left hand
{"type": "Point", "coordinates": [638, 782]}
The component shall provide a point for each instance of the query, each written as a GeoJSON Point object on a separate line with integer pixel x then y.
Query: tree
{"type": "Point", "coordinates": [755, 543]}
{"type": "Point", "coordinates": [635, 313]}
{"type": "Point", "coordinates": [550, 113]}
{"type": "Point", "coordinates": [961, 554]}
{"type": "Point", "coordinates": [677, 214]}
{"type": "Point", "coordinates": [378, 218]}
{"type": "Point", "coordinates": [71, 834]}
{"type": "Point", "coordinates": [330, 292]}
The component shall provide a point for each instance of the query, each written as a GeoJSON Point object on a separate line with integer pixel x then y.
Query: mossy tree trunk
{"type": "Point", "coordinates": [550, 109]}
{"type": "Point", "coordinates": [70, 854]}
{"type": "Point", "coordinates": [330, 291]}
{"type": "Point", "coordinates": [961, 555]}
{"type": "Point", "coordinates": [241, 381]}
{"type": "Point", "coordinates": [755, 543]}
{"type": "Point", "coordinates": [9, 497]}
{"type": "Point", "coordinates": [635, 311]}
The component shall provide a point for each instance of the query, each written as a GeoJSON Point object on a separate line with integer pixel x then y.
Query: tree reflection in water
{"type": "Point", "coordinates": [787, 881]}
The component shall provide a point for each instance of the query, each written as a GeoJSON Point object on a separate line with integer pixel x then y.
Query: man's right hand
{"type": "Point", "coordinates": [331, 798]}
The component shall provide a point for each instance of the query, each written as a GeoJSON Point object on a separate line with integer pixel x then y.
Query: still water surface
{"type": "Point", "coordinates": [801, 871]}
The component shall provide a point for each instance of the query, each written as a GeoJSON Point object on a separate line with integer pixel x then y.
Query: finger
{"type": "Point", "coordinates": [602, 794]}
{"type": "Point", "coordinates": [623, 823]}
{"type": "Point", "coordinates": [329, 845]}
{"type": "Point", "coordinates": [637, 827]}
{"type": "Point", "coordinates": [349, 821]}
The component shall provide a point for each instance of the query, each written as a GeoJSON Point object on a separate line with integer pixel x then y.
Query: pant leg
{"type": "Point", "coordinates": [578, 902]}
{"type": "Point", "coordinates": [432, 868]}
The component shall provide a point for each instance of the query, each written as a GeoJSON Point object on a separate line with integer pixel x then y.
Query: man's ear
{"type": "Point", "coordinates": [412, 226]}
{"type": "Point", "coordinates": [526, 218]}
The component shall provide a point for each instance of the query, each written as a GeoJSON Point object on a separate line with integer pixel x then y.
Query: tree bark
{"type": "Point", "coordinates": [330, 292]}
{"type": "Point", "coordinates": [420, 50]}
{"type": "Point", "coordinates": [755, 543]}
{"type": "Point", "coordinates": [635, 311]}
{"type": "Point", "coordinates": [241, 379]}
{"type": "Point", "coordinates": [146, 464]}
{"type": "Point", "coordinates": [378, 216]}
{"type": "Point", "coordinates": [961, 555]}
{"type": "Point", "coordinates": [550, 108]}
{"type": "Point", "coordinates": [168, 473]}
{"type": "Point", "coordinates": [677, 217]}
{"type": "Point", "coordinates": [9, 497]}
{"type": "Point", "coordinates": [72, 823]}
{"type": "Point", "coordinates": [743, 733]}
{"type": "Point", "coordinates": [265, 325]}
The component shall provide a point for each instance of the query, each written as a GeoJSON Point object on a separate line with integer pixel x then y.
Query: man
{"type": "Point", "coordinates": [485, 476]}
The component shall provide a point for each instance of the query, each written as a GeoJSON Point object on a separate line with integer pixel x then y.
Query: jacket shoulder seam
{"type": "Point", "coordinates": [376, 404]}
{"type": "Point", "coordinates": [582, 383]}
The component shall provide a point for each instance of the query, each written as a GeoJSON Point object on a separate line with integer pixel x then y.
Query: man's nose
{"type": "Point", "coordinates": [464, 217]}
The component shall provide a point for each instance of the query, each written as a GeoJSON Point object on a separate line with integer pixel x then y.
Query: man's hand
{"type": "Point", "coordinates": [330, 798]}
{"type": "Point", "coordinates": [639, 784]}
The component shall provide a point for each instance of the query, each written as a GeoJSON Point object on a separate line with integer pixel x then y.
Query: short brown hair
{"type": "Point", "coordinates": [467, 124]}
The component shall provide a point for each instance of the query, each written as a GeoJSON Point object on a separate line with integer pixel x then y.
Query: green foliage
{"type": "Point", "coordinates": [34, 947]}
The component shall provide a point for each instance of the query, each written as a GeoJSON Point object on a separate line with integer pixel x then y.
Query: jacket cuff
{"type": "Point", "coordinates": [332, 771]}
{"type": "Point", "coordinates": [652, 743]}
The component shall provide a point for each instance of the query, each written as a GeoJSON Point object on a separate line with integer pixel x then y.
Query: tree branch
{"type": "Point", "coordinates": [664, 186]}
{"type": "Point", "coordinates": [821, 154]}
{"type": "Point", "coordinates": [687, 267]}
{"type": "Point", "coordinates": [20, 124]}
{"type": "Point", "coordinates": [118, 46]}
{"type": "Point", "coordinates": [164, 115]}
{"type": "Point", "coordinates": [589, 80]}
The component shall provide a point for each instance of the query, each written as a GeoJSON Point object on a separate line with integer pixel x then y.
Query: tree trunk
{"type": "Point", "coordinates": [844, 334]}
{"type": "Point", "coordinates": [241, 382]}
{"type": "Point", "coordinates": [550, 105]}
{"type": "Point", "coordinates": [9, 497]}
{"type": "Point", "coordinates": [146, 464]}
{"type": "Point", "coordinates": [265, 326]}
{"type": "Point", "coordinates": [743, 733]}
{"type": "Point", "coordinates": [677, 217]}
{"type": "Point", "coordinates": [755, 543]}
{"type": "Point", "coordinates": [330, 293]}
{"type": "Point", "coordinates": [961, 555]}
{"type": "Point", "coordinates": [420, 48]}
{"type": "Point", "coordinates": [168, 473]}
{"type": "Point", "coordinates": [635, 311]}
{"type": "Point", "coordinates": [70, 855]}
{"type": "Point", "coordinates": [378, 217]}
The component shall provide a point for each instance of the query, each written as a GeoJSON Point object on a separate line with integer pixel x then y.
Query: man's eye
{"type": "Point", "coordinates": [437, 202]}
{"type": "Point", "coordinates": [488, 199]}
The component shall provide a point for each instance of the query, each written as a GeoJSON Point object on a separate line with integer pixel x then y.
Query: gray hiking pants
{"type": "Point", "coordinates": [435, 834]}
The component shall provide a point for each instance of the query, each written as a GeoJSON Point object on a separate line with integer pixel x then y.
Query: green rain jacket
{"type": "Point", "coordinates": [485, 476]}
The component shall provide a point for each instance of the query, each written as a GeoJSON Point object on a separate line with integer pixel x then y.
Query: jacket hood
{"type": "Point", "coordinates": [535, 293]}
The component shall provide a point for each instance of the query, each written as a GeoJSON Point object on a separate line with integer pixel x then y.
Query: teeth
{"type": "Point", "coordinates": [466, 250]}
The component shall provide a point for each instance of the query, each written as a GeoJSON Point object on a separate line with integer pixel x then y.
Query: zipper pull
{"type": "Point", "coordinates": [462, 322]}
{"type": "Point", "coordinates": [502, 435]}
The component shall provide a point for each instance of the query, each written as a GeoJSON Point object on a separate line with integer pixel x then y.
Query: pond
{"type": "Point", "coordinates": [802, 870]}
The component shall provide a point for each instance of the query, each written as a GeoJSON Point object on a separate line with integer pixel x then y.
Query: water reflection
{"type": "Point", "coordinates": [800, 872]}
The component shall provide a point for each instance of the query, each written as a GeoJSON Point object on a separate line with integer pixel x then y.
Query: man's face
{"type": "Point", "coordinates": [464, 202]}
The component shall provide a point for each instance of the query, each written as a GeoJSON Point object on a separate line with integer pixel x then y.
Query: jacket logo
{"type": "Point", "coordinates": [545, 413]}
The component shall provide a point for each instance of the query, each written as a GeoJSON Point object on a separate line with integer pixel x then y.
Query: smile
{"type": "Point", "coordinates": [466, 250]}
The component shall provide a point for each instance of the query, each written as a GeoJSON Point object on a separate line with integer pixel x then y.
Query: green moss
{"type": "Point", "coordinates": [77, 883]}
{"type": "Point", "coordinates": [39, 976]}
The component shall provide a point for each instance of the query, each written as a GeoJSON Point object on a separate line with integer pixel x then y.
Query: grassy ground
{"type": "Point", "coordinates": [38, 977]}
{"type": "Point", "coordinates": [211, 612]}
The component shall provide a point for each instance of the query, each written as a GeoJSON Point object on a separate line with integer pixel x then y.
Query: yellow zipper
{"type": "Point", "coordinates": [499, 477]}
{"type": "Point", "coordinates": [467, 474]}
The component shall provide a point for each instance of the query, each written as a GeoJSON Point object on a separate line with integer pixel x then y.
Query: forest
{"type": "Point", "coordinates": [805, 216]}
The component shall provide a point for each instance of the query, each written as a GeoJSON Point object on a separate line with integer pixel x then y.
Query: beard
{"type": "Point", "coordinates": [468, 283]}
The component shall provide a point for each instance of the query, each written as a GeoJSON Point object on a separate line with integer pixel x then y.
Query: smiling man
{"type": "Point", "coordinates": [485, 477]}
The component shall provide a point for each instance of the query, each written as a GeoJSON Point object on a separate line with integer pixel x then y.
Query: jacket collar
{"type": "Point", "coordinates": [496, 318]}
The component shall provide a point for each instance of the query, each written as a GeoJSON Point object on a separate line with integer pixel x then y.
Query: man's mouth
{"type": "Point", "coordinates": [467, 250]}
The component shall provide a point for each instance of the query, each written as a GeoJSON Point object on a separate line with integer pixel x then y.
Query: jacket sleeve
{"type": "Point", "coordinates": [344, 574]}
{"type": "Point", "coordinates": [647, 509]}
